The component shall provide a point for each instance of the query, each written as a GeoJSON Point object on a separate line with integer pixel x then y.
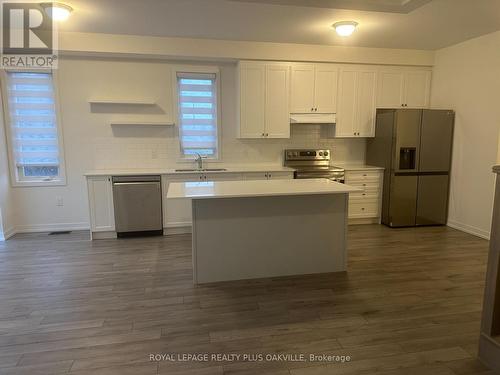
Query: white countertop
{"type": "Point", "coordinates": [169, 171]}
{"type": "Point", "coordinates": [356, 166]}
{"type": "Point", "coordinates": [251, 188]}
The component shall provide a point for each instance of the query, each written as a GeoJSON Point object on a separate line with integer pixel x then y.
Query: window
{"type": "Point", "coordinates": [198, 114]}
{"type": "Point", "coordinates": [35, 147]}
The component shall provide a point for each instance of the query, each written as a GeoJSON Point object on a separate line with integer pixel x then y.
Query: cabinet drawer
{"type": "Point", "coordinates": [363, 208]}
{"type": "Point", "coordinates": [362, 174]}
{"type": "Point", "coordinates": [366, 185]}
{"type": "Point", "coordinates": [374, 195]}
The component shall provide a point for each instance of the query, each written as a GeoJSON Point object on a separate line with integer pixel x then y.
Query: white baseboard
{"type": "Point", "coordinates": [469, 229]}
{"type": "Point", "coordinates": [177, 230]}
{"type": "Point", "coordinates": [50, 227]}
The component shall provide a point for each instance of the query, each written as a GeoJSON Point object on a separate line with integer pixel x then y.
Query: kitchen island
{"type": "Point", "coordinates": [254, 229]}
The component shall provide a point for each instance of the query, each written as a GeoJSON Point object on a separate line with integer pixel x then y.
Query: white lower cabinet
{"type": "Point", "coordinates": [268, 175]}
{"type": "Point", "coordinates": [177, 215]}
{"type": "Point", "coordinates": [100, 193]}
{"type": "Point", "coordinates": [365, 205]}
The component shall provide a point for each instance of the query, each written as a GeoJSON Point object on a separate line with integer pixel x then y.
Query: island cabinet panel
{"type": "Point", "coordinates": [268, 236]}
{"type": "Point", "coordinates": [100, 194]}
{"type": "Point", "coordinates": [365, 205]}
{"type": "Point", "coordinates": [264, 100]}
{"type": "Point", "coordinates": [404, 87]}
{"type": "Point", "coordinates": [313, 88]}
{"type": "Point", "coordinates": [357, 102]}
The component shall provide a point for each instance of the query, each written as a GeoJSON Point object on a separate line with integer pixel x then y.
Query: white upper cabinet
{"type": "Point", "coordinates": [302, 90]}
{"type": "Point", "coordinates": [403, 87]}
{"type": "Point", "coordinates": [314, 88]}
{"type": "Point", "coordinates": [252, 84]}
{"type": "Point", "coordinates": [264, 92]}
{"type": "Point", "coordinates": [356, 107]}
{"type": "Point", "coordinates": [277, 111]}
{"type": "Point", "coordinates": [418, 88]}
{"type": "Point", "coordinates": [366, 109]}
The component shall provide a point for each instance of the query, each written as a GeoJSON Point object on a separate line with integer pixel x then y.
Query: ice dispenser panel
{"type": "Point", "coordinates": [407, 158]}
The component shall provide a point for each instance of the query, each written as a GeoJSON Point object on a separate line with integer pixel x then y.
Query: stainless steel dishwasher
{"type": "Point", "coordinates": [138, 205]}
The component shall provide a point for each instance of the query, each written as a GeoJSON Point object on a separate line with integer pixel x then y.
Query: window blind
{"type": "Point", "coordinates": [33, 122]}
{"type": "Point", "coordinates": [197, 114]}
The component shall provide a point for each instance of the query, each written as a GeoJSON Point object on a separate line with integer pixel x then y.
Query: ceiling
{"type": "Point", "coordinates": [412, 24]}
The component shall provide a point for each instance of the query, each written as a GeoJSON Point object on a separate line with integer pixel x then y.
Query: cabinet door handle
{"type": "Point", "coordinates": [312, 109]}
{"type": "Point", "coordinates": [269, 175]}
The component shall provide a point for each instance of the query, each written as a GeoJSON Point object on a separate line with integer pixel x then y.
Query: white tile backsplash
{"type": "Point", "coordinates": [163, 152]}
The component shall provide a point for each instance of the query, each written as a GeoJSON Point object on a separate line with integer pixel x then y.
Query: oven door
{"type": "Point", "coordinates": [337, 176]}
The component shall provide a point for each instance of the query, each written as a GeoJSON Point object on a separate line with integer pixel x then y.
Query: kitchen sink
{"type": "Point", "coordinates": [201, 170]}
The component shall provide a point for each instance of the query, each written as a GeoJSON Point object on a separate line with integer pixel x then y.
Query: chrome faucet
{"type": "Point", "coordinates": [199, 160]}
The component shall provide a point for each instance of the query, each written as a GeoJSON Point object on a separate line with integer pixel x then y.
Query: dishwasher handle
{"type": "Point", "coordinates": [137, 183]}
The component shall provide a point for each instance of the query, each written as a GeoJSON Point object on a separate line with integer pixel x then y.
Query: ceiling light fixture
{"type": "Point", "coordinates": [345, 28]}
{"type": "Point", "coordinates": [57, 11]}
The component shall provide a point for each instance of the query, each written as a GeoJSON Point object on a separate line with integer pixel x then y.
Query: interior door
{"type": "Point", "coordinates": [325, 88]}
{"type": "Point", "coordinates": [436, 140]}
{"type": "Point", "coordinates": [432, 200]}
{"type": "Point", "coordinates": [252, 100]}
{"type": "Point", "coordinates": [403, 200]}
{"type": "Point", "coordinates": [302, 88]}
{"type": "Point", "coordinates": [277, 117]}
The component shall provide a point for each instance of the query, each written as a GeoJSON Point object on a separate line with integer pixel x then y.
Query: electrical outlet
{"type": "Point", "coordinates": [154, 154]}
{"type": "Point", "coordinates": [59, 201]}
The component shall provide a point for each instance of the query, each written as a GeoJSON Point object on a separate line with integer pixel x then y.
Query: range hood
{"type": "Point", "coordinates": [313, 118]}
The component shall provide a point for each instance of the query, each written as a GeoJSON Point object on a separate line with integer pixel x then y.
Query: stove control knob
{"type": "Point", "coordinates": [320, 154]}
{"type": "Point", "coordinates": [325, 153]}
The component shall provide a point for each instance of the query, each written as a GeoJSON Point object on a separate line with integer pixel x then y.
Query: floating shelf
{"type": "Point", "coordinates": [122, 102]}
{"type": "Point", "coordinates": [141, 123]}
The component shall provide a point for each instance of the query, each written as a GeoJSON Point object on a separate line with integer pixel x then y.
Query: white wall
{"type": "Point", "coordinates": [466, 78]}
{"type": "Point", "coordinates": [91, 143]}
{"type": "Point", "coordinates": [94, 44]}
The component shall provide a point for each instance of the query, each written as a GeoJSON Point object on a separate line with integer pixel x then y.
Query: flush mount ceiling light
{"type": "Point", "coordinates": [345, 28]}
{"type": "Point", "coordinates": [57, 11]}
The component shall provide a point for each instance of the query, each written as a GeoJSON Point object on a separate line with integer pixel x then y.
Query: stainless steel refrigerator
{"type": "Point", "coordinates": [414, 146]}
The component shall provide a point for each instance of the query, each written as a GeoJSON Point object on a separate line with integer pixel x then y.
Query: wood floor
{"type": "Point", "coordinates": [409, 304]}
